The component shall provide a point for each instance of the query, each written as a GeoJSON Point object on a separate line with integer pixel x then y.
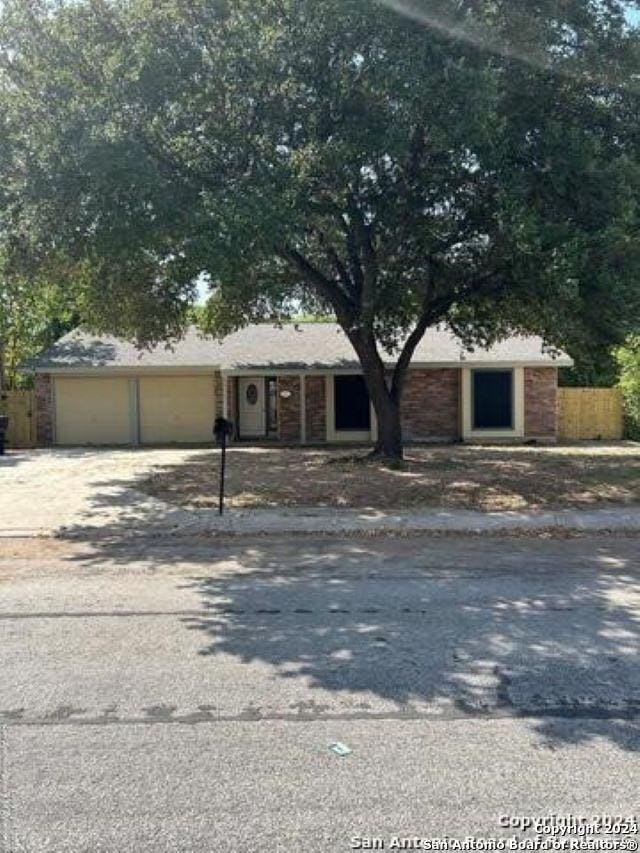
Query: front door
{"type": "Point", "coordinates": [252, 407]}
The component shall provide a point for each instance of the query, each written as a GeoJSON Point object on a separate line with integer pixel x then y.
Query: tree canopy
{"type": "Point", "coordinates": [34, 312]}
{"type": "Point", "coordinates": [399, 164]}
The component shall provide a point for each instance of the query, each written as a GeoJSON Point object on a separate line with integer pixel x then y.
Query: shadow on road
{"type": "Point", "coordinates": [546, 630]}
{"type": "Point", "coordinates": [481, 643]}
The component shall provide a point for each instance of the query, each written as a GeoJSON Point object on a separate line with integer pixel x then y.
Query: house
{"type": "Point", "coordinates": [295, 384]}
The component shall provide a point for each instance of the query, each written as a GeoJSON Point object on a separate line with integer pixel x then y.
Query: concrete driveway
{"type": "Point", "coordinates": [44, 492]}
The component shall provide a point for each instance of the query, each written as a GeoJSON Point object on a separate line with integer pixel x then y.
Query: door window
{"type": "Point", "coordinates": [252, 394]}
{"type": "Point", "coordinates": [272, 405]}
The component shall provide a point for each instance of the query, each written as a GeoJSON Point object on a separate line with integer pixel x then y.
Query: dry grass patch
{"type": "Point", "coordinates": [454, 476]}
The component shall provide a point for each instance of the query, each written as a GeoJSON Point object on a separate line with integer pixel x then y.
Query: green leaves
{"type": "Point", "coordinates": [628, 360]}
{"type": "Point", "coordinates": [34, 312]}
{"type": "Point", "coordinates": [474, 162]}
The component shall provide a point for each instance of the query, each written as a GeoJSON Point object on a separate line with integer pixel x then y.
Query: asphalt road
{"type": "Point", "coordinates": [182, 696]}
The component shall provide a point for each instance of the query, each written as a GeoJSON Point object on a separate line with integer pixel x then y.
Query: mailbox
{"type": "Point", "coordinates": [222, 429]}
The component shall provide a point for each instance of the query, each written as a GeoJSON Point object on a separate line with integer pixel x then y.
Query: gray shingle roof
{"type": "Point", "coordinates": [264, 346]}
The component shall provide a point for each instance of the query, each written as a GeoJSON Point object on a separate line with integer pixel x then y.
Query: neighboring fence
{"type": "Point", "coordinates": [20, 406]}
{"type": "Point", "coordinates": [590, 413]}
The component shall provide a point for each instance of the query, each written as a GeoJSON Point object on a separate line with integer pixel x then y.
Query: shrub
{"type": "Point", "coordinates": [628, 358]}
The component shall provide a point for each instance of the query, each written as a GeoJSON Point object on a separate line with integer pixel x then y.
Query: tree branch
{"type": "Point", "coordinates": [433, 311]}
{"type": "Point", "coordinates": [363, 245]}
{"type": "Point", "coordinates": [354, 260]}
{"type": "Point", "coordinates": [165, 158]}
{"type": "Point", "coordinates": [335, 259]}
{"type": "Point", "coordinates": [324, 286]}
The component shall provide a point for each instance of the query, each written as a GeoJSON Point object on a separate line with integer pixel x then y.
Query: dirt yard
{"type": "Point", "coordinates": [462, 477]}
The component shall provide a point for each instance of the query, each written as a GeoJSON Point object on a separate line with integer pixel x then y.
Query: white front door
{"type": "Point", "coordinates": [252, 407]}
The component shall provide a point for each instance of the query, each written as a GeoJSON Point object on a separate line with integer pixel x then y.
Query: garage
{"type": "Point", "coordinates": [92, 410]}
{"type": "Point", "coordinates": [120, 410]}
{"type": "Point", "coordinates": [176, 409]}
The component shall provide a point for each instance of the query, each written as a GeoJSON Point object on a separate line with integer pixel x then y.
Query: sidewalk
{"type": "Point", "coordinates": [349, 522]}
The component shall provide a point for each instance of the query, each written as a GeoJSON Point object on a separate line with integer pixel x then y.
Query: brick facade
{"type": "Point", "coordinates": [289, 409]}
{"type": "Point", "coordinates": [431, 404]}
{"type": "Point", "coordinates": [540, 402]}
{"type": "Point", "coordinates": [316, 409]}
{"type": "Point", "coordinates": [44, 409]}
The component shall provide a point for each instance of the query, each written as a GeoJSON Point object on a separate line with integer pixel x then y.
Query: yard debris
{"type": "Point", "coordinates": [340, 748]}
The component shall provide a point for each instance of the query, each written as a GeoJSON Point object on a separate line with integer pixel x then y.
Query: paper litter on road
{"type": "Point", "coordinates": [339, 748]}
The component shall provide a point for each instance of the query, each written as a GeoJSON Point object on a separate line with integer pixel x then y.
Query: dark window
{"type": "Point", "coordinates": [492, 399]}
{"type": "Point", "coordinates": [351, 403]}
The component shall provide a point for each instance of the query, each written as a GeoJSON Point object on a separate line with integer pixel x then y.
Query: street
{"type": "Point", "coordinates": [182, 695]}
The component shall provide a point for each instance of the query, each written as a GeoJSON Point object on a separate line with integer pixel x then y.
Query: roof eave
{"type": "Point", "coordinates": [285, 368]}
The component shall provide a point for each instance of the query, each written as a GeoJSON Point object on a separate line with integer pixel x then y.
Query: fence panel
{"type": "Point", "coordinates": [590, 413]}
{"type": "Point", "coordinates": [20, 406]}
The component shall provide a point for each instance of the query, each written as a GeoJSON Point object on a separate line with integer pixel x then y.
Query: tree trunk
{"type": "Point", "coordinates": [389, 441]}
{"type": "Point", "coordinates": [386, 403]}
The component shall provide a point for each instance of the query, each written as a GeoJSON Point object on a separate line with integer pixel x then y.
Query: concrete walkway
{"type": "Point", "coordinates": [89, 494]}
{"type": "Point", "coordinates": [347, 522]}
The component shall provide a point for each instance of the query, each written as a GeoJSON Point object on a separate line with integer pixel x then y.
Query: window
{"type": "Point", "coordinates": [351, 399]}
{"type": "Point", "coordinates": [252, 394]}
{"type": "Point", "coordinates": [492, 399]}
{"type": "Point", "coordinates": [272, 405]}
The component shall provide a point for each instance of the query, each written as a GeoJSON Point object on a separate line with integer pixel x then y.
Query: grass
{"type": "Point", "coordinates": [455, 477]}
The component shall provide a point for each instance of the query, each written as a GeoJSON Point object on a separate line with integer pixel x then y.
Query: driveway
{"type": "Point", "coordinates": [183, 696]}
{"type": "Point", "coordinates": [44, 492]}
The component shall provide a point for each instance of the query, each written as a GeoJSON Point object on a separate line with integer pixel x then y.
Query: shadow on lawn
{"type": "Point", "coordinates": [418, 628]}
{"type": "Point", "coordinates": [451, 476]}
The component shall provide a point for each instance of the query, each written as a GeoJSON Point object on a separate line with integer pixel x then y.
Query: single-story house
{"type": "Point", "coordinates": [295, 384]}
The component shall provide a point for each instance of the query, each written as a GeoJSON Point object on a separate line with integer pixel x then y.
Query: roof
{"type": "Point", "coordinates": [265, 346]}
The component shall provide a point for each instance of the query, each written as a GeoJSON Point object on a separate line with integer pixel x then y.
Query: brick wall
{"type": "Point", "coordinates": [540, 401]}
{"type": "Point", "coordinates": [44, 409]}
{"type": "Point", "coordinates": [316, 409]}
{"type": "Point", "coordinates": [431, 404]}
{"type": "Point", "coordinates": [289, 409]}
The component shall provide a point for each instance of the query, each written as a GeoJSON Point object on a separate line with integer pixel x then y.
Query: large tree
{"type": "Point", "coordinates": [34, 312]}
{"type": "Point", "coordinates": [400, 164]}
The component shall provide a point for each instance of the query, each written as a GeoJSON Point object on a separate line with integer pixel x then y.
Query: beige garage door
{"type": "Point", "coordinates": [176, 409]}
{"type": "Point", "coordinates": [92, 411]}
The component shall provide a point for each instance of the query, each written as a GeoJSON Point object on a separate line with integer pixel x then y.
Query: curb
{"type": "Point", "coordinates": [358, 523]}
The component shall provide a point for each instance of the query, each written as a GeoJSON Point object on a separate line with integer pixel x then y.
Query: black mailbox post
{"type": "Point", "coordinates": [223, 430]}
{"type": "Point", "coordinates": [4, 426]}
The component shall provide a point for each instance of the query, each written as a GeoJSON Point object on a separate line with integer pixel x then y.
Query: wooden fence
{"type": "Point", "coordinates": [590, 413]}
{"type": "Point", "coordinates": [20, 406]}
